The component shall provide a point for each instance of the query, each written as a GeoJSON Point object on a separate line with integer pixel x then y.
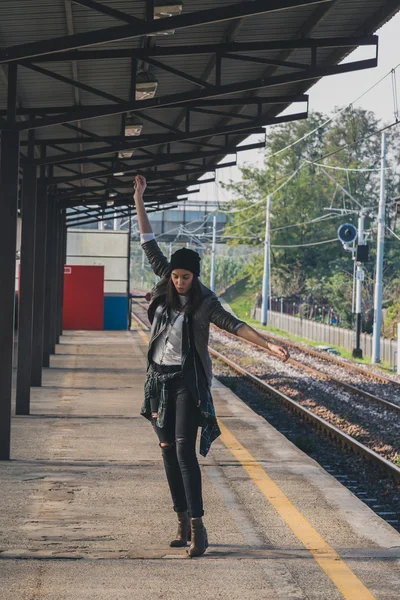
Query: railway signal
{"type": "Point", "coordinates": [348, 234]}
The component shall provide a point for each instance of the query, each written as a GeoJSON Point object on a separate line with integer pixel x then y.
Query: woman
{"type": "Point", "coordinates": [177, 389]}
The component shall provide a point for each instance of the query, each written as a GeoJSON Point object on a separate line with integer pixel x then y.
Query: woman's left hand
{"type": "Point", "coordinates": [280, 351]}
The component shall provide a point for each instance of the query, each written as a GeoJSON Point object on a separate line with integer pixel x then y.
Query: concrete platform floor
{"type": "Point", "coordinates": [86, 511]}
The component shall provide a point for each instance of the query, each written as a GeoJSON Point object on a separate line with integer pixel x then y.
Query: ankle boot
{"type": "Point", "coordinates": [183, 535]}
{"type": "Point", "coordinates": [199, 542]}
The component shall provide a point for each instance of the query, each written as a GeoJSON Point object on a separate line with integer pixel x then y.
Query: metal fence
{"type": "Point", "coordinates": [330, 335]}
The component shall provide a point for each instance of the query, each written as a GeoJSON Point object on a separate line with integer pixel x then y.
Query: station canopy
{"type": "Point", "coordinates": [166, 88]}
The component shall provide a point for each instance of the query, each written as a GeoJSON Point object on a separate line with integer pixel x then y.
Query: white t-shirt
{"type": "Point", "coordinates": [168, 346]}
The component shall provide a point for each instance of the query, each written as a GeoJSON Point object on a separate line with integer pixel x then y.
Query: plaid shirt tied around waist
{"type": "Point", "coordinates": [156, 386]}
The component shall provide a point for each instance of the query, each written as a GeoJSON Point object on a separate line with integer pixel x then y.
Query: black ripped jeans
{"type": "Point", "coordinates": [180, 460]}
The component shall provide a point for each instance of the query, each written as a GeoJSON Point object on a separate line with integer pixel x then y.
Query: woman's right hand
{"type": "Point", "coordinates": [140, 185]}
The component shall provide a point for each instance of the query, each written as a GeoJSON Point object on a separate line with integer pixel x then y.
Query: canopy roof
{"type": "Point", "coordinates": [77, 74]}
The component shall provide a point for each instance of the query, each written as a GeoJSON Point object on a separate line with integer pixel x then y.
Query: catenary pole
{"type": "Point", "coordinates": [265, 285]}
{"type": "Point", "coordinates": [376, 339]}
{"type": "Point", "coordinates": [398, 348]}
{"type": "Point", "coordinates": [357, 351]}
{"type": "Point", "coordinates": [213, 254]}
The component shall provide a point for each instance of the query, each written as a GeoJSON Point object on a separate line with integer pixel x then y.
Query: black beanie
{"type": "Point", "coordinates": [186, 259]}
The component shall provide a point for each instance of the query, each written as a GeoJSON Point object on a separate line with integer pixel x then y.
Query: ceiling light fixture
{"type": "Point", "coordinates": [164, 9]}
{"type": "Point", "coordinates": [167, 8]}
{"type": "Point", "coordinates": [146, 85]}
{"type": "Point", "coordinates": [133, 128]}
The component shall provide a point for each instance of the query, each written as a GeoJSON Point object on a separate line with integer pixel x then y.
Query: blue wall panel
{"type": "Point", "coordinates": [115, 312]}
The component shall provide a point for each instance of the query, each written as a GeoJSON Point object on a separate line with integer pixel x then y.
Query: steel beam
{"type": "Point", "coordinates": [126, 199]}
{"type": "Point", "coordinates": [236, 128]}
{"type": "Point", "coordinates": [26, 295]}
{"type": "Point", "coordinates": [162, 161]}
{"type": "Point", "coordinates": [39, 286]}
{"type": "Point", "coordinates": [179, 73]}
{"type": "Point", "coordinates": [170, 186]}
{"type": "Point", "coordinates": [111, 12]}
{"type": "Point", "coordinates": [111, 210]}
{"type": "Point", "coordinates": [9, 179]}
{"type": "Point", "coordinates": [112, 34]}
{"type": "Point", "coordinates": [238, 101]}
{"type": "Point", "coordinates": [198, 49]}
{"type": "Point", "coordinates": [73, 82]}
{"type": "Point", "coordinates": [111, 218]}
{"type": "Point", "coordinates": [192, 96]}
{"type": "Point", "coordinates": [166, 188]}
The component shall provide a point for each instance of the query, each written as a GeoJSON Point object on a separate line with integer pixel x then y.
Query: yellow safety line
{"type": "Point", "coordinates": [144, 336]}
{"type": "Point", "coordinates": [328, 559]}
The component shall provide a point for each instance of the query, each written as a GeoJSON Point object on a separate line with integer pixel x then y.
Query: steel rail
{"type": "Point", "coordinates": [337, 361]}
{"type": "Point", "coordinates": [347, 386]}
{"type": "Point", "coordinates": [140, 322]}
{"type": "Point", "coordinates": [320, 423]}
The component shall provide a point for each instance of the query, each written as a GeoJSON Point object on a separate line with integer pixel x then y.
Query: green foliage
{"type": "Point", "coordinates": [392, 317]}
{"type": "Point", "coordinates": [241, 298]}
{"type": "Point", "coordinates": [228, 269]}
{"type": "Point", "coordinates": [320, 273]}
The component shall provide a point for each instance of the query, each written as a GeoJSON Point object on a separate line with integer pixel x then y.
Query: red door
{"type": "Point", "coordinates": [83, 297]}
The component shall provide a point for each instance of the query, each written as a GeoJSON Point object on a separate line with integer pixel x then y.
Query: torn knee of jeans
{"type": "Point", "coordinates": [181, 439]}
{"type": "Point", "coordinates": [154, 415]}
{"type": "Point", "coordinates": [165, 444]}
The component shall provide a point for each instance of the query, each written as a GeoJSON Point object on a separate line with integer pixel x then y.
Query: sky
{"type": "Point", "coordinates": [332, 91]}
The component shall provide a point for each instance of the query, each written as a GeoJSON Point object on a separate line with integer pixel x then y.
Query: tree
{"type": "Point", "coordinates": [350, 151]}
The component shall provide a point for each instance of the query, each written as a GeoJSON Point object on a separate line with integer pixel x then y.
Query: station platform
{"type": "Point", "coordinates": [86, 511]}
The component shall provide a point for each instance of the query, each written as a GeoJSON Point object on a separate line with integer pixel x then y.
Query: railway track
{"type": "Point", "coordinates": [321, 424]}
{"type": "Point", "coordinates": [324, 357]}
{"type": "Point", "coordinates": [331, 359]}
{"type": "Point", "coordinates": [366, 395]}
{"type": "Point", "coordinates": [305, 413]}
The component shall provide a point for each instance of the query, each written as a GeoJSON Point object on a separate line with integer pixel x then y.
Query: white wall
{"type": "Point", "coordinates": [105, 248]}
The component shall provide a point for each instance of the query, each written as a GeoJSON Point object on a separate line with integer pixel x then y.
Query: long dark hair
{"type": "Point", "coordinates": [195, 296]}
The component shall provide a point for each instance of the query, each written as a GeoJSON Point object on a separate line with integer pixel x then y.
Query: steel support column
{"type": "Point", "coordinates": [63, 261]}
{"type": "Point", "coordinates": [25, 330]}
{"type": "Point", "coordinates": [57, 279]}
{"type": "Point", "coordinates": [38, 291]}
{"type": "Point", "coordinates": [54, 277]}
{"type": "Point", "coordinates": [9, 167]}
{"type": "Point", "coordinates": [49, 281]}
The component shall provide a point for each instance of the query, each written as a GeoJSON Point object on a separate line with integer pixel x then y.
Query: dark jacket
{"type": "Point", "coordinates": [196, 361]}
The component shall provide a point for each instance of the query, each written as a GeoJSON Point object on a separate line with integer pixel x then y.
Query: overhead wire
{"type": "Point", "coordinates": [392, 72]}
{"type": "Point", "coordinates": [333, 117]}
{"type": "Point", "coordinates": [275, 191]}
{"type": "Point", "coordinates": [304, 245]}
{"type": "Point", "coordinates": [348, 169]}
{"type": "Point", "coordinates": [393, 233]}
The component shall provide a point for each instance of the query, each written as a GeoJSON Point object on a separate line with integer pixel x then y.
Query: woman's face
{"type": "Point", "coordinates": [182, 280]}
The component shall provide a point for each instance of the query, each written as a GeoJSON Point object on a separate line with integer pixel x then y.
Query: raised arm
{"type": "Point", "coordinates": [143, 219]}
{"type": "Point", "coordinates": [156, 258]}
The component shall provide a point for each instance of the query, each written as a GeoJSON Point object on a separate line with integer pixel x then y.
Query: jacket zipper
{"type": "Point", "coordinates": [158, 334]}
